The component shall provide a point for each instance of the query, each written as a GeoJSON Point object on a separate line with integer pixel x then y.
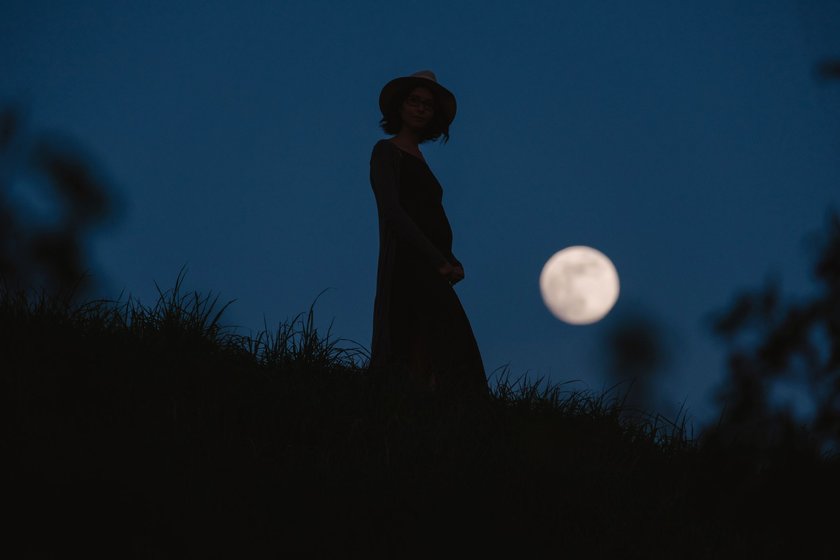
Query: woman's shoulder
{"type": "Point", "coordinates": [384, 148]}
{"type": "Point", "coordinates": [384, 142]}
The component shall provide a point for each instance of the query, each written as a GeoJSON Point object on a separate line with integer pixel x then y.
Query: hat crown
{"type": "Point", "coordinates": [428, 74]}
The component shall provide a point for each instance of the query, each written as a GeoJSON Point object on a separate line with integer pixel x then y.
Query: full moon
{"type": "Point", "coordinates": [579, 285]}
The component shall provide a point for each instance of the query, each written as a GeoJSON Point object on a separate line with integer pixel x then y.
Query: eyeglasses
{"type": "Point", "coordinates": [414, 101]}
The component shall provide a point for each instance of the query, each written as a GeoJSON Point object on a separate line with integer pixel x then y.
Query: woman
{"type": "Point", "coordinates": [419, 325]}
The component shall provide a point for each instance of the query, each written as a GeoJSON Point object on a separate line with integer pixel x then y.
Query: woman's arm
{"type": "Point", "coordinates": [384, 176]}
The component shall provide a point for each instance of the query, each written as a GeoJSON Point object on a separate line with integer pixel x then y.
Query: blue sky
{"type": "Point", "coordinates": [688, 141]}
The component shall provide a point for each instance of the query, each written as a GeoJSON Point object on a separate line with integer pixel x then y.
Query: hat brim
{"type": "Point", "coordinates": [444, 98]}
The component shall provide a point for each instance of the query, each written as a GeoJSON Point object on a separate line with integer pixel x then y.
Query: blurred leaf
{"type": "Point", "coordinates": [8, 126]}
{"type": "Point", "coordinates": [74, 180]}
{"type": "Point", "coordinates": [829, 70]}
{"type": "Point", "coordinates": [51, 257]}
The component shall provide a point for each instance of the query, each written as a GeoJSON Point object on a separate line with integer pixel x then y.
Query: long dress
{"type": "Point", "coordinates": [418, 320]}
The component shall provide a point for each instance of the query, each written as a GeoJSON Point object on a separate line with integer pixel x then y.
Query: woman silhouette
{"type": "Point", "coordinates": [419, 326]}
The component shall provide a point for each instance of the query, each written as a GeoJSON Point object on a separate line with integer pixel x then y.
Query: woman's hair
{"type": "Point", "coordinates": [391, 122]}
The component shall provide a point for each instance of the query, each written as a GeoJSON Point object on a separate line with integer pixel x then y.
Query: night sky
{"type": "Point", "coordinates": [688, 141]}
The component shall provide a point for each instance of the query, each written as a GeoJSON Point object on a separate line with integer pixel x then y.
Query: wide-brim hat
{"type": "Point", "coordinates": [444, 99]}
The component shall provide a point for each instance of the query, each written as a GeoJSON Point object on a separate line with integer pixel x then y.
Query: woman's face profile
{"type": "Point", "coordinates": [418, 108]}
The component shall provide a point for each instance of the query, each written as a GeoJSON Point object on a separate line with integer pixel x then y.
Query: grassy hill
{"type": "Point", "coordinates": [151, 432]}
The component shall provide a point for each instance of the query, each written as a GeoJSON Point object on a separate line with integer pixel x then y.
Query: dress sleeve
{"type": "Point", "coordinates": [384, 175]}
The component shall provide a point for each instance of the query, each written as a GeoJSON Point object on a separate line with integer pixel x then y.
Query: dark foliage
{"type": "Point", "coordinates": [135, 432]}
{"type": "Point", "coordinates": [48, 253]}
{"type": "Point", "coordinates": [828, 70]}
{"type": "Point", "coordinates": [773, 341]}
{"type": "Point", "coordinates": [636, 353]}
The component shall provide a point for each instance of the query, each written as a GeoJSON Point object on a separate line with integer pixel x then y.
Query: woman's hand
{"type": "Point", "coordinates": [457, 274]}
{"type": "Point", "coordinates": [453, 274]}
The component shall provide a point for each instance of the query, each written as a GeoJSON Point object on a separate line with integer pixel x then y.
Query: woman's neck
{"type": "Point", "coordinates": [408, 138]}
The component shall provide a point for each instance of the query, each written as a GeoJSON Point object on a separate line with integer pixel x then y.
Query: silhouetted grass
{"type": "Point", "coordinates": [134, 431]}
